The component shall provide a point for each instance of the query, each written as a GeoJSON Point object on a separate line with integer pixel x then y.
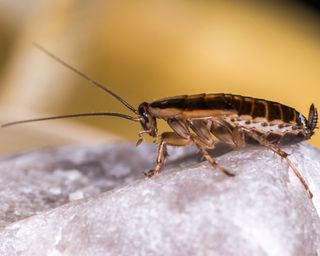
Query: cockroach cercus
{"type": "Point", "coordinates": [194, 119]}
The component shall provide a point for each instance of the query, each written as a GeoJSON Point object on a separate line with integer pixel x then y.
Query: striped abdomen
{"type": "Point", "coordinates": [204, 105]}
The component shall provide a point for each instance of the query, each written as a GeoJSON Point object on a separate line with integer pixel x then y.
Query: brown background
{"type": "Point", "coordinates": [145, 50]}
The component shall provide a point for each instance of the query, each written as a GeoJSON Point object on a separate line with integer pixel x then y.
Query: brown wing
{"type": "Point", "coordinates": [208, 105]}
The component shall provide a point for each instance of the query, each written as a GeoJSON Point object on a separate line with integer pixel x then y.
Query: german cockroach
{"type": "Point", "coordinates": [233, 119]}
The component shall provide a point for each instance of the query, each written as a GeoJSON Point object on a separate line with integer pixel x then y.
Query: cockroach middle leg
{"type": "Point", "coordinates": [211, 160]}
{"type": "Point", "coordinates": [202, 138]}
{"type": "Point", "coordinates": [283, 155]}
{"type": "Point", "coordinates": [167, 138]}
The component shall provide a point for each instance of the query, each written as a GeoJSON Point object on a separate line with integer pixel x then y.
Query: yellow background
{"type": "Point", "coordinates": [146, 50]}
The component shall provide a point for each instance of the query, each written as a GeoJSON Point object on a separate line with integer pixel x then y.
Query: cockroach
{"type": "Point", "coordinates": [232, 119]}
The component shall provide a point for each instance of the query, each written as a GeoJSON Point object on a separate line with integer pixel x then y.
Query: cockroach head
{"type": "Point", "coordinates": [147, 120]}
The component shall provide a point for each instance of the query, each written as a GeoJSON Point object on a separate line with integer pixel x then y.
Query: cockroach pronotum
{"type": "Point", "coordinates": [233, 119]}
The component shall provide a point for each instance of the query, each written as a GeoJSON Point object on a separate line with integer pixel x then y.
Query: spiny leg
{"type": "Point", "coordinates": [203, 140]}
{"type": "Point", "coordinates": [283, 154]}
{"type": "Point", "coordinates": [210, 159]}
{"type": "Point", "coordinates": [160, 161]}
{"type": "Point", "coordinates": [167, 138]}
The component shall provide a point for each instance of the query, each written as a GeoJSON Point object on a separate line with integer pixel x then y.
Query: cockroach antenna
{"type": "Point", "coordinates": [92, 81]}
{"type": "Point", "coordinates": [71, 116]}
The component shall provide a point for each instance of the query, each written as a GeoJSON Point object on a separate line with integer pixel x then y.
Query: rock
{"type": "Point", "coordinates": [95, 201]}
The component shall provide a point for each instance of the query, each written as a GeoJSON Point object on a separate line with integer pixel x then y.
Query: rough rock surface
{"type": "Point", "coordinates": [95, 201]}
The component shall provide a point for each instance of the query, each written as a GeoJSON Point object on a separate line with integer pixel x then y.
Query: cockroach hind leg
{"type": "Point", "coordinates": [283, 155]}
{"type": "Point", "coordinates": [299, 176]}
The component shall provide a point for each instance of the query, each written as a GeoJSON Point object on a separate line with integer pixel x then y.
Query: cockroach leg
{"type": "Point", "coordinates": [209, 158]}
{"type": "Point", "coordinates": [283, 155]}
{"type": "Point", "coordinates": [167, 138]}
{"type": "Point", "coordinates": [161, 158]}
{"type": "Point", "coordinates": [213, 162]}
{"type": "Point", "coordinates": [238, 138]}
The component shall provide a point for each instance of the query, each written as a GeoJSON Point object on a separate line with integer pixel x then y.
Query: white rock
{"type": "Point", "coordinates": [189, 209]}
{"type": "Point", "coordinates": [76, 196]}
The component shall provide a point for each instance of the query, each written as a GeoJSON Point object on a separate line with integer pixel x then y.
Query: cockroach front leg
{"type": "Point", "coordinates": [167, 138]}
{"type": "Point", "coordinates": [281, 153]}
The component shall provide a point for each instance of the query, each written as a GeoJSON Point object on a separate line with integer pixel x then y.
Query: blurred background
{"type": "Point", "coordinates": [145, 50]}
